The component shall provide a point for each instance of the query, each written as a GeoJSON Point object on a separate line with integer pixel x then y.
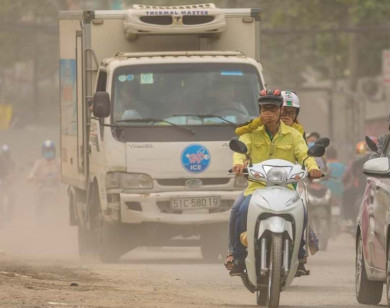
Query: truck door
{"type": "Point", "coordinates": [81, 164]}
{"type": "Point", "coordinates": [73, 171]}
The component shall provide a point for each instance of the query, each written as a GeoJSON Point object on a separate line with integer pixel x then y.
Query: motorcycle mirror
{"type": "Point", "coordinates": [238, 146]}
{"type": "Point", "coordinates": [323, 141]}
{"type": "Point", "coordinates": [371, 144]}
{"type": "Point", "coordinates": [317, 150]}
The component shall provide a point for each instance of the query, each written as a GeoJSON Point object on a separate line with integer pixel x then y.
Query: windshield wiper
{"type": "Point", "coordinates": [153, 120]}
{"type": "Point", "coordinates": [206, 116]}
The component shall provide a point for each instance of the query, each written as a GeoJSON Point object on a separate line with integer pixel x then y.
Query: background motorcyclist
{"type": "Point", "coordinates": [7, 170]}
{"type": "Point", "coordinates": [47, 167]}
{"type": "Point", "coordinates": [334, 181]}
{"type": "Point", "coordinates": [277, 140]}
{"type": "Point", "coordinates": [311, 139]}
{"type": "Point", "coordinates": [46, 176]}
{"type": "Point", "coordinates": [7, 157]}
{"type": "Point", "coordinates": [354, 182]}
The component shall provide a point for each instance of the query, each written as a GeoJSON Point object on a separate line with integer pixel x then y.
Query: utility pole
{"type": "Point", "coordinates": [356, 105]}
{"type": "Point", "coordinates": [333, 86]}
{"type": "Point", "coordinates": [35, 81]}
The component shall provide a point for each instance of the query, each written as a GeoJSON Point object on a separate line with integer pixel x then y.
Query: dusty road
{"type": "Point", "coordinates": [39, 267]}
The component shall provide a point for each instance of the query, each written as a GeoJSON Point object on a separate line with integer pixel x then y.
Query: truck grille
{"type": "Point", "coordinates": [182, 182]}
{"type": "Point", "coordinates": [175, 7]}
{"type": "Point", "coordinates": [157, 20]}
{"type": "Point", "coordinates": [169, 20]}
{"type": "Point", "coordinates": [196, 20]}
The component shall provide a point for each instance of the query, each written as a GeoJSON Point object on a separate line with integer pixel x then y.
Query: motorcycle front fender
{"type": "Point", "coordinates": [275, 224]}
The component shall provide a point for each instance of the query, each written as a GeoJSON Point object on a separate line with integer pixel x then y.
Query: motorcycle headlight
{"type": "Point", "coordinates": [277, 174]}
{"type": "Point", "coordinates": [128, 180]}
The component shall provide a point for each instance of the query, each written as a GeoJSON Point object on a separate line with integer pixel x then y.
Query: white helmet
{"type": "Point", "coordinates": [290, 99]}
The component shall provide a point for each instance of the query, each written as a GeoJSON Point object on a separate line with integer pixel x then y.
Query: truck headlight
{"type": "Point", "coordinates": [128, 180]}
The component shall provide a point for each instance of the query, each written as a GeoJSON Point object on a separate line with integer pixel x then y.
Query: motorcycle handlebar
{"type": "Point", "coordinates": [245, 172]}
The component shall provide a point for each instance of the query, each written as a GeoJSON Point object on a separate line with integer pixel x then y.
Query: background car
{"type": "Point", "coordinates": [373, 231]}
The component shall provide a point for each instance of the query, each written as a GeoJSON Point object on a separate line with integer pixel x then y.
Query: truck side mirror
{"type": "Point", "coordinates": [101, 104]}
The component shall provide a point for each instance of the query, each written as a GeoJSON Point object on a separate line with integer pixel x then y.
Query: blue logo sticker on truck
{"type": "Point", "coordinates": [195, 158]}
{"type": "Point", "coordinates": [68, 96]}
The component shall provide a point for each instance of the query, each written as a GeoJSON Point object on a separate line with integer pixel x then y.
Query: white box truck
{"type": "Point", "coordinates": [150, 97]}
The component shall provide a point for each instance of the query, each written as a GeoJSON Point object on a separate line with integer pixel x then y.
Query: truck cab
{"type": "Point", "coordinates": [150, 97]}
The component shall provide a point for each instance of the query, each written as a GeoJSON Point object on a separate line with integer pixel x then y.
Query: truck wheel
{"type": "Point", "coordinates": [110, 240]}
{"type": "Point", "coordinates": [213, 239]}
{"type": "Point", "coordinates": [86, 243]}
{"type": "Point", "coordinates": [388, 276]}
{"type": "Point", "coordinates": [72, 210]}
{"type": "Point", "coordinates": [367, 292]}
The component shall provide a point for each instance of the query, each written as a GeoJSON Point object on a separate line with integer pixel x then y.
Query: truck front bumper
{"type": "Point", "coordinates": [155, 207]}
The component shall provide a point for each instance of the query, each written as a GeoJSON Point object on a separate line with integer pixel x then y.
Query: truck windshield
{"type": "Point", "coordinates": [185, 94]}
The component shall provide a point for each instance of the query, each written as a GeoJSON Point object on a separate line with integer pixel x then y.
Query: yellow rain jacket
{"type": "Point", "coordinates": [287, 144]}
{"type": "Point", "coordinates": [255, 123]}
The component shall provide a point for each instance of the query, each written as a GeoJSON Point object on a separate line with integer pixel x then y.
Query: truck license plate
{"type": "Point", "coordinates": [195, 203]}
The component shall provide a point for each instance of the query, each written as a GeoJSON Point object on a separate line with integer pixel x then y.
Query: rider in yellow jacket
{"type": "Point", "coordinates": [289, 116]}
{"type": "Point", "coordinates": [287, 144]}
{"type": "Point", "coordinates": [273, 139]}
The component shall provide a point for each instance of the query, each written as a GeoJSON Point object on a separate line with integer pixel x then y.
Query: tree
{"type": "Point", "coordinates": [317, 35]}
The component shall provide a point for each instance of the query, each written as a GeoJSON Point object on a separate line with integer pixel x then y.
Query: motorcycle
{"type": "Point", "coordinates": [275, 224]}
{"type": "Point", "coordinates": [47, 196]}
{"type": "Point", "coordinates": [5, 204]}
{"type": "Point", "coordinates": [319, 199]}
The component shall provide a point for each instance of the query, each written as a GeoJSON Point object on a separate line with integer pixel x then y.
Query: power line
{"type": "Point", "coordinates": [51, 29]}
{"type": "Point", "coordinates": [329, 30]}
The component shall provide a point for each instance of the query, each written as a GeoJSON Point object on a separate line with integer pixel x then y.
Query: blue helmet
{"type": "Point", "coordinates": [5, 148]}
{"type": "Point", "coordinates": [5, 151]}
{"type": "Point", "coordinates": [48, 149]}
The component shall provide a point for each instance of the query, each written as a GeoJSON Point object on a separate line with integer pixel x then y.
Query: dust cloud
{"type": "Point", "coordinates": [24, 234]}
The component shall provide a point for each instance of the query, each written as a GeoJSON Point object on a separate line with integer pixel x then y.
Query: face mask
{"type": "Point", "coordinates": [310, 144]}
{"type": "Point", "coordinates": [48, 155]}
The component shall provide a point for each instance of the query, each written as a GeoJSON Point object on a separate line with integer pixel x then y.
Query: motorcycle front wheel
{"type": "Point", "coordinates": [275, 282]}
